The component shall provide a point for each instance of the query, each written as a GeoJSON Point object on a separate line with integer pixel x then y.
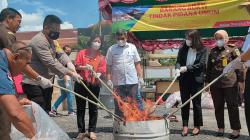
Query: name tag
{"type": "Point", "coordinates": [224, 62]}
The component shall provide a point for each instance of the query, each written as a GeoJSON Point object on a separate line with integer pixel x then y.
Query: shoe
{"type": "Point", "coordinates": [235, 134]}
{"type": "Point", "coordinates": [183, 133]}
{"type": "Point", "coordinates": [220, 133]}
{"type": "Point", "coordinates": [72, 114]}
{"type": "Point", "coordinates": [197, 132]}
{"type": "Point", "coordinates": [81, 136]}
{"type": "Point", "coordinates": [92, 135]}
{"type": "Point", "coordinates": [53, 113]}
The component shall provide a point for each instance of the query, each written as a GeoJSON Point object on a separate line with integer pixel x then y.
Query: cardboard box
{"type": "Point", "coordinates": [161, 86]}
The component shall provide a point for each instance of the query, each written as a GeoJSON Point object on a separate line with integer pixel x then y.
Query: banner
{"type": "Point", "coordinates": [182, 16]}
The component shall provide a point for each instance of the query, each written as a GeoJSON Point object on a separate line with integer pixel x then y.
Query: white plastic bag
{"type": "Point", "coordinates": [207, 101]}
{"type": "Point", "coordinates": [172, 100]}
{"type": "Point", "coordinates": [46, 128]}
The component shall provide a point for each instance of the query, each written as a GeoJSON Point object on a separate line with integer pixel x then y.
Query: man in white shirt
{"type": "Point", "coordinates": [124, 71]}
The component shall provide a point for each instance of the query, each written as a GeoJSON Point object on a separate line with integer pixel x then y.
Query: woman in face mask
{"type": "Point", "coordinates": [225, 89]}
{"type": "Point", "coordinates": [94, 59]}
{"type": "Point", "coordinates": [190, 66]}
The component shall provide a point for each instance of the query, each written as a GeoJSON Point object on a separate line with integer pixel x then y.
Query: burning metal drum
{"type": "Point", "coordinates": [142, 130]}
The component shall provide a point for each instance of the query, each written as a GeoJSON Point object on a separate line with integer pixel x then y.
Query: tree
{"type": "Point", "coordinates": [82, 42]}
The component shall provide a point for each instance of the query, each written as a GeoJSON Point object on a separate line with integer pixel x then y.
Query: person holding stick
{"type": "Point", "coordinates": [87, 60]}
{"type": "Point", "coordinates": [11, 111]}
{"type": "Point", "coordinates": [190, 67]}
{"type": "Point", "coordinates": [124, 72]}
{"type": "Point", "coordinates": [243, 59]}
{"type": "Point", "coordinates": [224, 90]}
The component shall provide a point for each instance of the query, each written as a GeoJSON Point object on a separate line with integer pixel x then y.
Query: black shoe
{"type": "Point", "coordinates": [220, 134]}
{"type": "Point", "coordinates": [234, 136]}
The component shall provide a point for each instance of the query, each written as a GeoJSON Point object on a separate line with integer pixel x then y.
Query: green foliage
{"type": "Point", "coordinates": [167, 61]}
{"type": "Point", "coordinates": [82, 42]}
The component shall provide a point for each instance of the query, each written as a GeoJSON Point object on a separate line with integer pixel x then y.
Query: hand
{"type": "Point", "coordinates": [235, 64]}
{"type": "Point", "coordinates": [24, 101]}
{"type": "Point", "coordinates": [67, 85]}
{"type": "Point", "coordinates": [43, 82]}
{"type": "Point", "coordinates": [76, 77]}
{"type": "Point", "coordinates": [71, 66]}
{"type": "Point", "coordinates": [177, 72]}
{"type": "Point", "coordinates": [89, 67]}
{"type": "Point", "coordinates": [110, 84]}
{"type": "Point", "coordinates": [183, 69]}
{"type": "Point", "coordinates": [141, 81]}
{"type": "Point", "coordinates": [97, 75]}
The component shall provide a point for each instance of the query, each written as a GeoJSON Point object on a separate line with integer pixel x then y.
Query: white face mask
{"type": "Point", "coordinates": [189, 42]}
{"type": "Point", "coordinates": [96, 45]}
{"type": "Point", "coordinates": [220, 43]}
{"type": "Point", "coordinates": [121, 43]}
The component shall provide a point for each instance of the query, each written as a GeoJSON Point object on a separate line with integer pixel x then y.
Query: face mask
{"type": "Point", "coordinates": [220, 43]}
{"type": "Point", "coordinates": [189, 43]}
{"type": "Point", "coordinates": [96, 45]}
{"type": "Point", "coordinates": [121, 43]}
{"type": "Point", "coordinates": [68, 53]}
{"type": "Point", "coordinates": [54, 35]}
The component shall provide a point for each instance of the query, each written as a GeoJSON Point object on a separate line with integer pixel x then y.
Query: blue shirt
{"type": "Point", "coordinates": [246, 46]}
{"type": "Point", "coordinates": [6, 83]}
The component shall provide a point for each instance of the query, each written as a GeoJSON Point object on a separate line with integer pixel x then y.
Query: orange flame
{"type": "Point", "coordinates": [130, 110]}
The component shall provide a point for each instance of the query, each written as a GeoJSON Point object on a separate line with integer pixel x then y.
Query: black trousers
{"type": "Point", "coordinates": [81, 105]}
{"type": "Point", "coordinates": [39, 95]}
{"type": "Point", "coordinates": [247, 100]}
{"type": "Point", "coordinates": [188, 87]}
{"type": "Point", "coordinates": [230, 96]}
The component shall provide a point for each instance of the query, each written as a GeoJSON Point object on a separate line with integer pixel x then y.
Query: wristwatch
{"type": "Point", "coordinates": [38, 78]}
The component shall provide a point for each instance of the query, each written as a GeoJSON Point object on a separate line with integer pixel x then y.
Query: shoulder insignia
{"type": "Point", "coordinates": [237, 51]}
{"type": "Point", "coordinates": [11, 33]}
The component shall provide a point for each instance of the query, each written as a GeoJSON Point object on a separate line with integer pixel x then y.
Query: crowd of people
{"type": "Point", "coordinates": [43, 58]}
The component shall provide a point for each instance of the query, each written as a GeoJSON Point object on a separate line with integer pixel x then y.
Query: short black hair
{"type": "Point", "coordinates": [93, 37]}
{"type": "Point", "coordinates": [8, 13]}
{"type": "Point", "coordinates": [121, 32]}
{"type": "Point", "coordinates": [66, 46]}
{"type": "Point", "coordinates": [51, 19]}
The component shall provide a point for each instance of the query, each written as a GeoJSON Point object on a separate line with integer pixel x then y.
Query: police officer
{"type": "Point", "coordinates": [225, 89]}
{"type": "Point", "coordinates": [10, 20]}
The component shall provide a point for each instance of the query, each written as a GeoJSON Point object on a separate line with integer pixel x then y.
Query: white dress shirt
{"type": "Point", "coordinates": [191, 56]}
{"type": "Point", "coordinates": [122, 62]}
{"type": "Point", "coordinates": [246, 46]}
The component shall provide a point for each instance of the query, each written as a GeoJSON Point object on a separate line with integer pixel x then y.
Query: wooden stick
{"type": "Point", "coordinates": [92, 94]}
{"type": "Point", "coordinates": [166, 91]}
{"type": "Point", "coordinates": [110, 90]}
{"type": "Point", "coordinates": [197, 94]}
{"type": "Point", "coordinates": [97, 104]}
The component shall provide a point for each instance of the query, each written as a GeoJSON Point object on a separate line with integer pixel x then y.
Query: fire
{"type": "Point", "coordinates": [130, 109]}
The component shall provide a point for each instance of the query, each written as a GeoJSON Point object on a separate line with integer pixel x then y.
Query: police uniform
{"type": "Point", "coordinates": [7, 38]}
{"type": "Point", "coordinates": [225, 89]}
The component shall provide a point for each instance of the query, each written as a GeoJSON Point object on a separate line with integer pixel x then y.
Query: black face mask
{"type": "Point", "coordinates": [68, 53]}
{"type": "Point", "coordinates": [54, 35]}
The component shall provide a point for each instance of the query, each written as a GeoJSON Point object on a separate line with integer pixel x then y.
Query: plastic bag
{"type": "Point", "coordinates": [46, 128]}
{"type": "Point", "coordinates": [207, 101]}
{"type": "Point", "coordinates": [173, 99]}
